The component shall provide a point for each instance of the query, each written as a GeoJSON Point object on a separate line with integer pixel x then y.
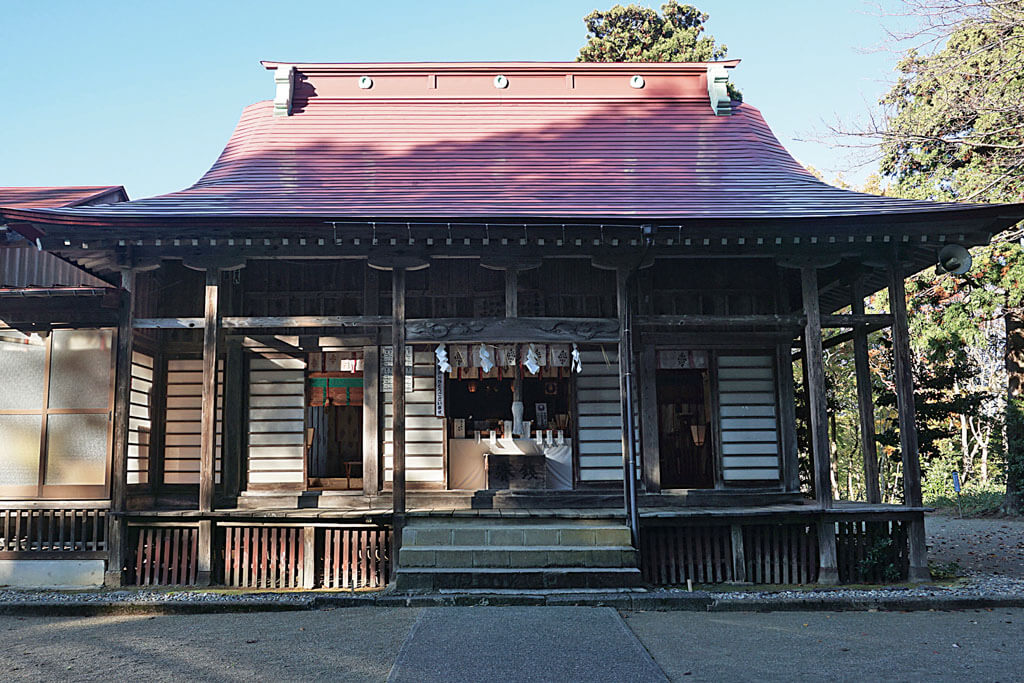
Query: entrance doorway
{"type": "Point", "coordinates": [334, 421]}
{"type": "Point", "coordinates": [684, 430]}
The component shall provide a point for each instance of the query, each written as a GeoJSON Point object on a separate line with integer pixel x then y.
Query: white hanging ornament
{"type": "Point", "coordinates": [486, 359]}
{"type": "Point", "coordinates": [442, 358]}
{"type": "Point", "coordinates": [532, 361]}
{"type": "Point", "coordinates": [577, 364]}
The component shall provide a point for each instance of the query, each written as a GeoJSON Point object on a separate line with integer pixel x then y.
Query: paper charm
{"type": "Point", "coordinates": [577, 364]}
{"type": "Point", "coordinates": [442, 358]}
{"type": "Point", "coordinates": [486, 359]}
{"type": "Point", "coordinates": [507, 355]}
{"type": "Point", "coordinates": [559, 355]}
{"type": "Point", "coordinates": [532, 361]}
{"type": "Point", "coordinates": [459, 357]}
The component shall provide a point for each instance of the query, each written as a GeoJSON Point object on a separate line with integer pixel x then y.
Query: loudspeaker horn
{"type": "Point", "coordinates": [953, 259]}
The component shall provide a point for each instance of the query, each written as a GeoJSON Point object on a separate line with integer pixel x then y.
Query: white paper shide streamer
{"type": "Point", "coordinates": [442, 358]}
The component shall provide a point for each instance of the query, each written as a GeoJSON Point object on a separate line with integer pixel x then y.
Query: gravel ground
{"type": "Point", "coordinates": [983, 546]}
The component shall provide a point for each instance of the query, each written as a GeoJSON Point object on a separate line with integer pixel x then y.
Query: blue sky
{"type": "Point", "coordinates": [144, 94]}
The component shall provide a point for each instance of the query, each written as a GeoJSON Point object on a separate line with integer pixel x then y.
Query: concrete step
{"type": "Point", "coordinates": [412, 579]}
{"type": "Point", "coordinates": [518, 556]}
{"type": "Point", "coordinates": [504, 533]}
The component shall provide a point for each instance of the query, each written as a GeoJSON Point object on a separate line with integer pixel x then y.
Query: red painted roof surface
{"type": "Point", "coordinates": [569, 141]}
{"type": "Point", "coordinates": [54, 197]}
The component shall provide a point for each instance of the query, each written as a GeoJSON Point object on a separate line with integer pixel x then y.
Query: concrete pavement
{"type": "Point", "coordinates": [363, 644]}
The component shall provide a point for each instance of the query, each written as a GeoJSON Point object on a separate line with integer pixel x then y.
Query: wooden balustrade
{"type": "Point", "coordinates": [58, 532]}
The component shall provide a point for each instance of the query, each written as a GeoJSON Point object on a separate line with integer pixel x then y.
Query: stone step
{"type": "Point", "coordinates": [515, 534]}
{"type": "Point", "coordinates": [413, 579]}
{"type": "Point", "coordinates": [518, 556]}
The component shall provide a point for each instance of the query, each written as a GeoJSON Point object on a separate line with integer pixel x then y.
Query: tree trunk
{"type": "Point", "coordinates": [1014, 319]}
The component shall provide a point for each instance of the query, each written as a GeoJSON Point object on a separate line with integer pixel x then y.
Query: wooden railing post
{"type": "Point", "coordinates": [815, 363]}
{"type": "Point", "coordinates": [904, 380]}
{"type": "Point", "coordinates": [622, 276]}
{"type": "Point", "coordinates": [116, 530]}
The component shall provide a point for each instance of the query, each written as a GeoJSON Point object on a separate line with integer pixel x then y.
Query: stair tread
{"type": "Point", "coordinates": [511, 548]}
{"type": "Point", "coordinates": [517, 570]}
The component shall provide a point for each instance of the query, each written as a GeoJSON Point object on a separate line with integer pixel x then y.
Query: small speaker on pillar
{"type": "Point", "coordinates": [953, 259]}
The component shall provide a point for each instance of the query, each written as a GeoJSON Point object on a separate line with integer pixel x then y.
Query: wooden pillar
{"type": "Point", "coordinates": [116, 529]}
{"type": "Point", "coordinates": [815, 364]}
{"type": "Point", "coordinates": [204, 553]}
{"type": "Point", "coordinates": [208, 416]}
{"type": "Point", "coordinates": [371, 420]}
{"type": "Point", "coordinates": [904, 381]}
{"type": "Point", "coordinates": [398, 409]}
{"type": "Point", "coordinates": [865, 398]}
{"type": "Point", "coordinates": [787, 418]}
{"type": "Point", "coordinates": [622, 275]}
{"type": "Point", "coordinates": [234, 417]}
{"type": "Point", "coordinates": [649, 436]}
{"type": "Point", "coordinates": [512, 311]}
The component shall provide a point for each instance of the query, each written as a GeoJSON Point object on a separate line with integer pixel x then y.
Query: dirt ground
{"type": "Point", "coordinates": [981, 546]}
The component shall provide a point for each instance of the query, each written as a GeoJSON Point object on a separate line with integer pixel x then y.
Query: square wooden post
{"type": "Point", "coordinates": [815, 363]}
{"type": "Point", "coordinates": [398, 411]}
{"type": "Point", "coordinates": [622, 275]}
{"type": "Point", "coordinates": [904, 380]}
{"type": "Point", "coordinates": [865, 399]}
{"type": "Point", "coordinates": [208, 416]}
{"type": "Point", "coordinates": [116, 542]}
{"type": "Point", "coordinates": [371, 420]}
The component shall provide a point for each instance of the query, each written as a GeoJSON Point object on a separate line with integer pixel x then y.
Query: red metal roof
{"type": "Point", "coordinates": [562, 141]}
{"type": "Point", "coordinates": [54, 197]}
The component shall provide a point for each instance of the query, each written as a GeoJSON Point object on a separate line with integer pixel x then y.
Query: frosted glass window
{"type": "Point", "coordinates": [19, 449]}
{"type": "Point", "coordinates": [76, 449]}
{"type": "Point", "coordinates": [80, 368]}
{"type": "Point", "coordinates": [21, 371]}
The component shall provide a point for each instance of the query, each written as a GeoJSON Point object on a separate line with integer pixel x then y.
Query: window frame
{"type": "Point", "coordinates": [42, 490]}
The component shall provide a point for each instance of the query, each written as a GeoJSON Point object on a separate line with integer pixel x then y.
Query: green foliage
{"type": "Point", "coordinates": [880, 563]}
{"type": "Point", "coordinates": [975, 500]}
{"type": "Point", "coordinates": [640, 34]}
{"type": "Point", "coordinates": [944, 571]}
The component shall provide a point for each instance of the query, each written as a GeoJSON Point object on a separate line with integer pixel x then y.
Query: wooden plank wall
{"type": "Point", "coordinates": [140, 420]}
{"type": "Point", "coordinates": [184, 408]}
{"type": "Point", "coordinates": [424, 433]}
{"type": "Point", "coordinates": [600, 416]}
{"type": "Point", "coordinates": [748, 418]}
{"type": "Point", "coordinates": [277, 401]}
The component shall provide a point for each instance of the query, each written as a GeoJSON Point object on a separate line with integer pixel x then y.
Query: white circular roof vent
{"type": "Point", "coordinates": [500, 82]}
{"type": "Point", "coordinates": [636, 81]}
{"type": "Point", "coordinates": [365, 82]}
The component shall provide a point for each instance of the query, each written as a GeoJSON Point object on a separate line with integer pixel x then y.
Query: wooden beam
{"type": "Point", "coordinates": [854, 320]}
{"type": "Point", "coordinates": [266, 322]}
{"type": "Point", "coordinates": [122, 406]}
{"type": "Point", "coordinates": [724, 322]}
{"type": "Point", "coordinates": [511, 330]}
{"type": "Point", "coordinates": [865, 398]}
{"type": "Point", "coordinates": [398, 411]}
{"type": "Point", "coordinates": [208, 416]}
{"type": "Point", "coordinates": [904, 381]}
{"type": "Point", "coordinates": [827, 568]}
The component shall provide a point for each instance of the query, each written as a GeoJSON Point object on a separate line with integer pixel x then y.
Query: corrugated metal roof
{"type": "Point", "coordinates": [540, 150]}
{"type": "Point", "coordinates": [52, 197]}
{"type": "Point", "coordinates": [24, 266]}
